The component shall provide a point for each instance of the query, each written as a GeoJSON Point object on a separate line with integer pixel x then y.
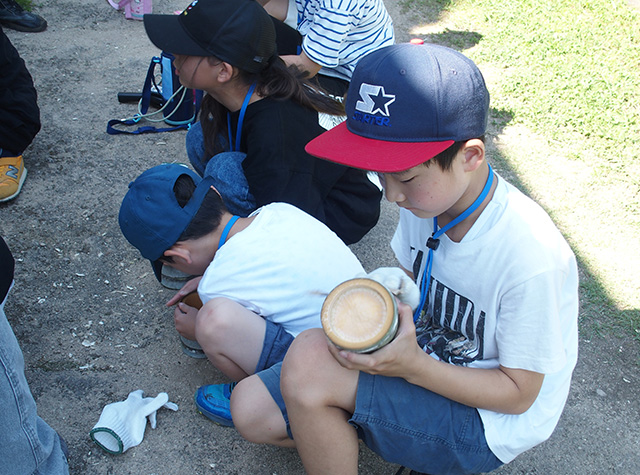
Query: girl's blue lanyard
{"type": "Point", "coordinates": [433, 242]}
{"type": "Point", "coordinates": [225, 231]}
{"type": "Point", "coordinates": [243, 110]}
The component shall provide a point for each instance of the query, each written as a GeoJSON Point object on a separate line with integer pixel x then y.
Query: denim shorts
{"type": "Point", "coordinates": [409, 425]}
{"type": "Point", "coordinates": [446, 438]}
{"type": "Point", "coordinates": [276, 343]}
{"type": "Point", "coordinates": [419, 429]}
{"type": "Point", "coordinates": [226, 170]}
{"type": "Point", "coordinates": [271, 379]}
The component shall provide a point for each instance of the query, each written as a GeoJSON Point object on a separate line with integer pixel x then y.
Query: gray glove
{"type": "Point", "coordinates": [398, 283]}
{"type": "Point", "coordinates": [122, 424]}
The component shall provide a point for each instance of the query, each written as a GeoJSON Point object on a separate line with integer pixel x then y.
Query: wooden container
{"type": "Point", "coordinates": [192, 300]}
{"type": "Point", "coordinates": [360, 315]}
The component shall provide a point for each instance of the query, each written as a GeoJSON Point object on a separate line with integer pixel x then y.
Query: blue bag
{"type": "Point", "coordinates": [178, 105]}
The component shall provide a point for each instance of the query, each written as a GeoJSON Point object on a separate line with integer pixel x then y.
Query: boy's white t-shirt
{"type": "Point", "coordinates": [507, 294]}
{"type": "Point", "coordinates": [281, 267]}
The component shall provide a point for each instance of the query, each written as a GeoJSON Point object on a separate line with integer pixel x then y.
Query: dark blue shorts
{"type": "Point", "coordinates": [410, 425]}
{"type": "Point", "coordinates": [276, 343]}
{"type": "Point", "coordinates": [419, 429]}
{"type": "Point", "coordinates": [271, 379]}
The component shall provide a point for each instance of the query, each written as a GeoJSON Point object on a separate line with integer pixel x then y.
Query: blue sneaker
{"type": "Point", "coordinates": [213, 401]}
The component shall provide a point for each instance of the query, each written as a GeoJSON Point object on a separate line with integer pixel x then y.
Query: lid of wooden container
{"type": "Point", "coordinates": [358, 313]}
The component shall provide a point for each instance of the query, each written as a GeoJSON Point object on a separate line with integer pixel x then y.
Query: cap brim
{"type": "Point", "coordinates": [343, 146]}
{"type": "Point", "coordinates": [166, 32]}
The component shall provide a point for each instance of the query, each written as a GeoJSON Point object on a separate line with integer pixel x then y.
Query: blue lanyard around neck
{"type": "Point", "coordinates": [433, 242]}
{"type": "Point", "coordinates": [225, 231]}
{"type": "Point", "coordinates": [243, 110]}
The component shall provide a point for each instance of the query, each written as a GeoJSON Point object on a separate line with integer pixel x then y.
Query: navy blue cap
{"type": "Point", "coordinates": [239, 32]}
{"type": "Point", "coordinates": [150, 217]}
{"type": "Point", "coordinates": [406, 103]}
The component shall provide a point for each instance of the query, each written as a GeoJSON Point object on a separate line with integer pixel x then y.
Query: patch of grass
{"type": "Point", "coordinates": [569, 71]}
{"type": "Point", "coordinates": [26, 4]}
{"type": "Point", "coordinates": [458, 40]}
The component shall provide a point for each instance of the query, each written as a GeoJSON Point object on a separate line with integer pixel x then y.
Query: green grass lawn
{"type": "Point", "coordinates": [26, 4]}
{"type": "Point", "coordinates": [564, 78]}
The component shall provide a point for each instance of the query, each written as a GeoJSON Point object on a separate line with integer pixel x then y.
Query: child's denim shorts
{"type": "Point", "coordinates": [409, 425]}
{"type": "Point", "coordinates": [276, 343]}
{"type": "Point", "coordinates": [419, 429]}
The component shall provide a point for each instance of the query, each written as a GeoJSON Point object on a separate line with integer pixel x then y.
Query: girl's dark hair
{"type": "Point", "coordinates": [445, 159]}
{"type": "Point", "coordinates": [208, 217]}
{"type": "Point", "coordinates": [278, 81]}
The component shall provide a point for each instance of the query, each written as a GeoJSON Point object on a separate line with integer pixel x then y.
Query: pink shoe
{"type": "Point", "coordinates": [133, 9]}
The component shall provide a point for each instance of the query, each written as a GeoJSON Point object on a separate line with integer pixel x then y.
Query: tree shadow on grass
{"type": "Point", "coordinates": [599, 315]}
{"type": "Point", "coordinates": [458, 40]}
{"type": "Point", "coordinates": [428, 11]}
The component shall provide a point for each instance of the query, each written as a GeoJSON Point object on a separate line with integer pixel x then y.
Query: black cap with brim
{"type": "Point", "coordinates": [239, 32]}
{"type": "Point", "coordinates": [167, 33]}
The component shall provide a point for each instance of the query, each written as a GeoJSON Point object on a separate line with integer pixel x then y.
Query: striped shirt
{"type": "Point", "coordinates": [337, 33]}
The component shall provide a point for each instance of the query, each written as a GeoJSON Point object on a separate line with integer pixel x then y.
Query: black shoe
{"type": "Point", "coordinates": [13, 16]}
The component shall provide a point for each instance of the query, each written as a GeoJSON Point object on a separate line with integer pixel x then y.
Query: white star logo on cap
{"type": "Point", "coordinates": [374, 99]}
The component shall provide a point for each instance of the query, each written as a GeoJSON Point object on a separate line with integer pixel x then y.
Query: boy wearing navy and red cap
{"type": "Point", "coordinates": [481, 372]}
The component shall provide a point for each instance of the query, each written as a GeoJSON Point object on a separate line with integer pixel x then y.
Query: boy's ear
{"type": "Point", "coordinates": [179, 252]}
{"type": "Point", "coordinates": [216, 190]}
{"type": "Point", "coordinates": [474, 154]}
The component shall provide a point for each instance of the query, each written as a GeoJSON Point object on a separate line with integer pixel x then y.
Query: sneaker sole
{"type": "Point", "coordinates": [193, 353]}
{"type": "Point", "coordinates": [191, 348]}
{"type": "Point", "coordinates": [213, 417]}
{"type": "Point", "coordinates": [19, 27]}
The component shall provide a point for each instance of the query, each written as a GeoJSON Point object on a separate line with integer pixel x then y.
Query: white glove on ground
{"type": "Point", "coordinates": [122, 424]}
{"type": "Point", "coordinates": [398, 283]}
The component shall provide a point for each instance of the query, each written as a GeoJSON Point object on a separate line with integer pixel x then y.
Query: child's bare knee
{"type": "Point", "coordinates": [214, 317]}
{"type": "Point", "coordinates": [255, 414]}
{"type": "Point", "coordinates": [301, 367]}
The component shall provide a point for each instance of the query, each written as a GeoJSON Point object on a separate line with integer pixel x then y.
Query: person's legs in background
{"type": "Point", "coordinates": [19, 116]}
{"type": "Point", "coordinates": [29, 444]}
{"type": "Point", "coordinates": [225, 168]}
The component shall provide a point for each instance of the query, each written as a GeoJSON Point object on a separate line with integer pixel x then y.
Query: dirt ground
{"type": "Point", "coordinates": [90, 316]}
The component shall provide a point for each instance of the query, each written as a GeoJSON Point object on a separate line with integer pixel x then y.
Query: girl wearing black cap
{"type": "Point", "coordinates": [257, 117]}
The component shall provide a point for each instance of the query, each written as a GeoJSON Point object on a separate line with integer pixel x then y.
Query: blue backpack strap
{"type": "Point", "coordinates": [148, 82]}
{"type": "Point", "coordinates": [149, 86]}
{"type": "Point", "coordinates": [147, 129]}
{"type": "Point", "coordinates": [144, 105]}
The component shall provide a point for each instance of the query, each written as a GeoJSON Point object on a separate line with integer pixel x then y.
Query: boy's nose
{"type": "Point", "coordinates": [392, 192]}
